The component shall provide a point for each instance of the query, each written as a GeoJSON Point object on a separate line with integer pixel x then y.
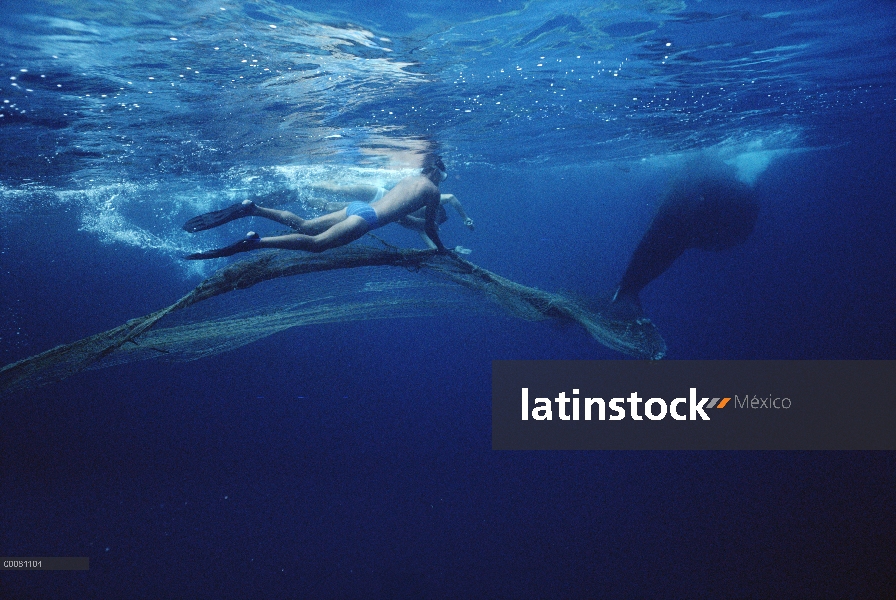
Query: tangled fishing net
{"type": "Point", "coordinates": [210, 319]}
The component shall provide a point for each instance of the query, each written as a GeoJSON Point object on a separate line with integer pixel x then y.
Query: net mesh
{"type": "Point", "coordinates": [211, 319]}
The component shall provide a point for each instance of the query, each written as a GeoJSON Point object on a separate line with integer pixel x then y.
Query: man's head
{"type": "Point", "coordinates": [434, 169]}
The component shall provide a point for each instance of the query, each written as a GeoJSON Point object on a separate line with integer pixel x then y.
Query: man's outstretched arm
{"type": "Point", "coordinates": [452, 200]}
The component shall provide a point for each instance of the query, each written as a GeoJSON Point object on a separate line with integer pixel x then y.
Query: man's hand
{"type": "Point", "coordinates": [469, 223]}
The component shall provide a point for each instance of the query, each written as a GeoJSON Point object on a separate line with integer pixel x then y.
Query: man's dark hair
{"type": "Point", "coordinates": [432, 163]}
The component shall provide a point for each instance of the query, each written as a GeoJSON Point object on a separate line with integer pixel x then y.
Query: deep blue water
{"type": "Point", "coordinates": [353, 459]}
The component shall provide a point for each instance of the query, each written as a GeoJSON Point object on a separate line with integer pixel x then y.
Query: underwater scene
{"type": "Point", "coordinates": [257, 258]}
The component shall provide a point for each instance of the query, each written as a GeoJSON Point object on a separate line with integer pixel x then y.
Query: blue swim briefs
{"type": "Point", "coordinates": [363, 210]}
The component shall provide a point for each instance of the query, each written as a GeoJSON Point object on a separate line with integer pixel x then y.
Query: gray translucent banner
{"type": "Point", "coordinates": [694, 405]}
{"type": "Point", "coordinates": [45, 563]}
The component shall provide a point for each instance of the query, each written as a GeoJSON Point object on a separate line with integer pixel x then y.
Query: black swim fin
{"type": "Point", "coordinates": [250, 242]}
{"type": "Point", "coordinates": [219, 217]}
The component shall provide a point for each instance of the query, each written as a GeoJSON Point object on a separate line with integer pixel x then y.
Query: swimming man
{"type": "Point", "coordinates": [337, 228]}
{"type": "Point", "coordinates": [370, 193]}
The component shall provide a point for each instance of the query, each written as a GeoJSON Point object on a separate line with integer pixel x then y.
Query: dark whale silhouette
{"type": "Point", "coordinates": [710, 210]}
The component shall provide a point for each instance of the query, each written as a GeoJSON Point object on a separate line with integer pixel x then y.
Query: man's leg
{"type": "Point", "coordinates": [284, 217]}
{"type": "Point", "coordinates": [247, 208]}
{"type": "Point", "coordinates": [344, 232]}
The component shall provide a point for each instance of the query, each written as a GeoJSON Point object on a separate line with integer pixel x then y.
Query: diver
{"type": "Point", "coordinates": [415, 221]}
{"type": "Point", "coordinates": [711, 210]}
{"type": "Point", "coordinates": [411, 194]}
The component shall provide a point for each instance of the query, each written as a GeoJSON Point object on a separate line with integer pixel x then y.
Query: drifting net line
{"type": "Point", "coordinates": [179, 332]}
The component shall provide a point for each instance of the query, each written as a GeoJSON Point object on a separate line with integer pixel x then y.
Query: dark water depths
{"type": "Point", "coordinates": [354, 460]}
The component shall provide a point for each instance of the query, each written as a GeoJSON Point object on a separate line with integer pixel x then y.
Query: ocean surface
{"type": "Point", "coordinates": [353, 459]}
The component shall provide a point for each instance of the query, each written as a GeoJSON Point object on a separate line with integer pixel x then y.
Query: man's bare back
{"type": "Point", "coordinates": [409, 195]}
